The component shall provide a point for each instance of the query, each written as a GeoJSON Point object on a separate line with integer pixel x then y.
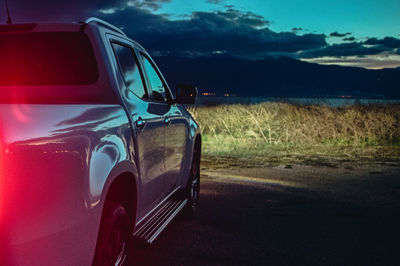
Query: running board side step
{"type": "Point", "coordinates": [152, 227]}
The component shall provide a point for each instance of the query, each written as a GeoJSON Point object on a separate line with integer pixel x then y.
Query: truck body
{"type": "Point", "coordinates": [84, 121]}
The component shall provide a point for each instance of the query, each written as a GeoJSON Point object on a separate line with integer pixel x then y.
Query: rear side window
{"type": "Point", "coordinates": [47, 58]}
{"type": "Point", "coordinates": [130, 70]}
{"type": "Point", "coordinates": [157, 86]}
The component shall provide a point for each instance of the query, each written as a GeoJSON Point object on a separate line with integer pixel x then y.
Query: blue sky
{"type": "Point", "coordinates": [364, 33]}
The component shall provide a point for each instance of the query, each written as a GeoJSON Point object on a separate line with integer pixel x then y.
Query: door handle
{"type": "Point", "coordinates": [167, 120]}
{"type": "Point", "coordinates": [140, 123]}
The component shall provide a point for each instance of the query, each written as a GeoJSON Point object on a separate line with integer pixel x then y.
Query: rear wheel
{"type": "Point", "coordinates": [113, 236]}
{"type": "Point", "coordinates": [192, 190]}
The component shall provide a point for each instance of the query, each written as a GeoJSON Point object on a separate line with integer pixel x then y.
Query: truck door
{"type": "Point", "coordinates": [149, 128]}
{"type": "Point", "coordinates": [176, 136]}
{"type": "Point", "coordinates": [175, 124]}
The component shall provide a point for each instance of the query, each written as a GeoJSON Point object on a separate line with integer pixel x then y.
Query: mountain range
{"type": "Point", "coordinates": [278, 77]}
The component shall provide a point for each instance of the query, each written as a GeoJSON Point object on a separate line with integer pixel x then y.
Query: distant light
{"type": "Point", "coordinates": [219, 52]}
{"type": "Point", "coordinates": [208, 94]}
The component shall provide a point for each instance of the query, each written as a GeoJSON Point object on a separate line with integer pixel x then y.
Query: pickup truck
{"type": "Point", "coordinates": [95, 151]}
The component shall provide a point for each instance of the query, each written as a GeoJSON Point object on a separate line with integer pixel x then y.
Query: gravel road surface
{"type": "Point", "coordinates": [287, 215]}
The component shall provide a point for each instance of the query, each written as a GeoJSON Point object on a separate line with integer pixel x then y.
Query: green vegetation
{"type": "Point", "coordinates": [277, 132]}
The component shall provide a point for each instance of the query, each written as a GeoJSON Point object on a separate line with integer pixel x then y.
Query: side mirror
{"type": "Point", "coordinates": [186, 94]}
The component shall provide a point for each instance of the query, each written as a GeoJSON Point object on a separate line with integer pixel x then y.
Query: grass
{"type": "Point", "coordinates": [276, 132]}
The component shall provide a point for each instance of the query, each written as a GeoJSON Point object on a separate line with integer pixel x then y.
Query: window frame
{"type": "Point", "coordinates": [142, 75]}
{"type": "Point", "coordinates": [168, 94]}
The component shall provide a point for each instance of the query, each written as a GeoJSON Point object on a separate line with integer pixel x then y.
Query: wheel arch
{"type": "Point", "coordinates": [123, 189]}
{"type": "Point", "coordinates": [123, 186]}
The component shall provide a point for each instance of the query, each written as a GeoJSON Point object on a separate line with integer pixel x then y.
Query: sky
{"type": "Point", "coordinates": [363, 33]}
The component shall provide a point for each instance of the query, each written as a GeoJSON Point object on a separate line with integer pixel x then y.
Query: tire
{"type": "Point", "coordinates": [192, 190]}
{"type": "Point", "coordinates": [112, 242]}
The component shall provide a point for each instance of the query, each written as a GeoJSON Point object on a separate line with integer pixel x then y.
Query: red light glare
{"type": "Point", "coordinates": [1, 179]}
{"type": "Point", "coordinates": [21, 112]}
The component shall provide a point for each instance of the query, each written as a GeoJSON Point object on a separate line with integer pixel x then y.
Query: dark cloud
{"type": "Point", "coordinates": [147, 4]}
{"type": "Point", "coordinates": [343, 49]}
{"type": "Point", "coordinates": [297, 30]}
{"type": "Point", "coordinates": [388, 42]}
{"type": "Point", "coordinates": [71, 10]}
{"type": "Point", "coordinates": [216, 2]}
{"type": "Point", "coordinates": [349, 39]}
{"type": "Point", "coordinates": [372, 46]}
{"type": "Point", "coordinates": [340, 35]}
{"type": "Point", "coordinates": [229, 6]}
{"type": "Point", "coordinates": [228, 31]}
{"type": "Point", "coordinates": [48, 10]}
{"type": "Point", "coordinates": [243, 18]}
{"type": "Point", "coordinates": [232, 31]}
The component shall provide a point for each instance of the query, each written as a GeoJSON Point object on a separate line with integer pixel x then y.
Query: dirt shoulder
{"type": "Point", "coordinates": [367, 181]}
{"type": "Point", "coordinates": [254, 214]}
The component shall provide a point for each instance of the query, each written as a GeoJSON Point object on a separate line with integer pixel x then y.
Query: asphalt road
{"type": "Point", "coordinates": [287, 216]}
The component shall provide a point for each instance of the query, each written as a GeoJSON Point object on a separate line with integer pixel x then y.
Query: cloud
{"type": "Point", "coordinates": [239, 33]}
{"type": "Point", "coordinates": [349, 39]}
{"type": "Point", "coordinates": [216, 2]}
{"type": "Point", "coordinates": [340, 35]}
{"type": "Point", "coordinates": [387, 42]}
{"type": "Point", "coordinates": [72, 10]}
{"type": "Point", "coordinates": [370, 62]}
{"type": "Point", "coordinates": [342, 49]}
{"type": "Point", "coordinates": [370, 47]}
{"type": "Point", "coordinates": [297, 30]}
{"type": "Point", "coordinates": [243, 18]}
{"type": "Point", "coordinates": [226, 30]}
{"type": "Point", "coordinates": [147, 4]}
{"type": "Point", "coordinates": [236, 32]}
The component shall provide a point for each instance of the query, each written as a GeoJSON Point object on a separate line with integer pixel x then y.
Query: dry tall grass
{"type": "Point", "coordinates": [235, 130]}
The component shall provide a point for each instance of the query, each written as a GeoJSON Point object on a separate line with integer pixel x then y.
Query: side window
{"type": "Point", "coordinates": [130, 70]}
{"type": "Point", "coordinates": [157, 86]}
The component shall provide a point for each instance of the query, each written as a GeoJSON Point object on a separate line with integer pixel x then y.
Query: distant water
{"type": "Point", "coordinates": [334, 102]}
